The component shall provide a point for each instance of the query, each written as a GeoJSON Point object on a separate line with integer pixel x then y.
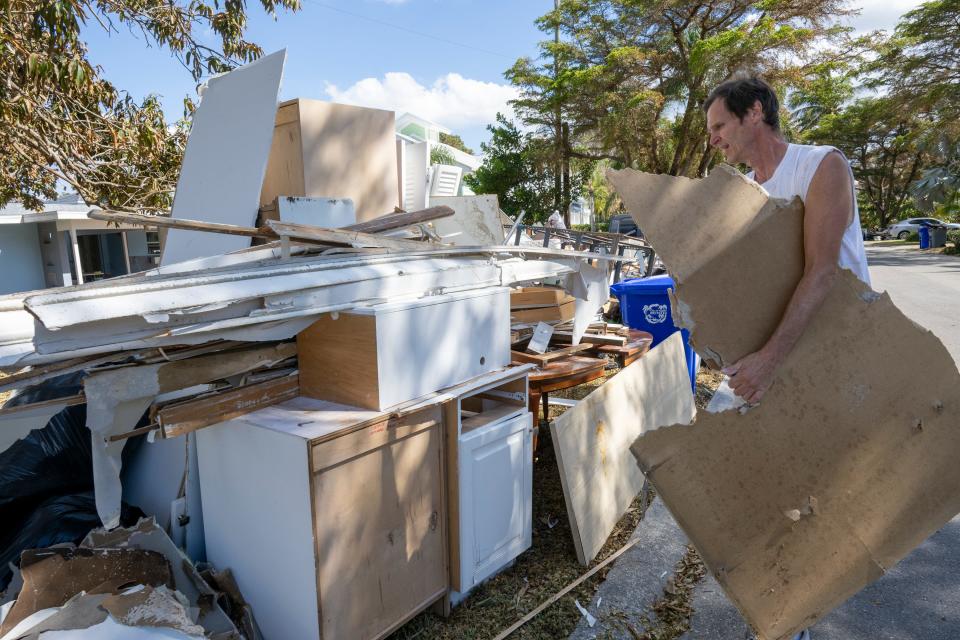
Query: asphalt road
{"type": "Point", "coordinates": [925, 287]}
{"type": "Point", "coordinates": [918, 599]}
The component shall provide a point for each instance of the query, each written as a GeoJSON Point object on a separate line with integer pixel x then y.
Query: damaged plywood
{"type": "Point", "coordinates": [847, 464]}
{"type": "Point", "coordinates": [599, 476]}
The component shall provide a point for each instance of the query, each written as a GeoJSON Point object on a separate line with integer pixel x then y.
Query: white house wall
{"type": "Point", "coordinates": [20, 260]}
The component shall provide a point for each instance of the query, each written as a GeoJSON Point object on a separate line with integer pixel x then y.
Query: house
{"type": "Point", "coordinates": [40, 249]}
{"type": "Point", "coordinates": [417, 140]}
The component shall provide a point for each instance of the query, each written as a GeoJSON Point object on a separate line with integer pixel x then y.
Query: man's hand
{"type": "Point", "coordinates": [752, 375]}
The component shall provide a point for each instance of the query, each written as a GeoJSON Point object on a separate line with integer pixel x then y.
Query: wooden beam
{"type": "Point", "coordinates": [341, 236]}
{"type": "Point", "coordinates": [567, 337]}
{"type": "Point", "coordinates": [567, 589]}
{"type": "Point", "coordinates": [549, 356]}
{"type": "Point", "coordinates": [393, 221]}
{"type": "Point", "coordinates": [190, 415]}
{"type": "Point", "coordinates": [180, 223]}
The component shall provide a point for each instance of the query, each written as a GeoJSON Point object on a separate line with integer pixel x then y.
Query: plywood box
{"type": "Point", "coordinates": [323, 149]}
{"type": "Point", "coordinates": [388, 354]}
{"type": "Point", "coordinates": [332, 518]}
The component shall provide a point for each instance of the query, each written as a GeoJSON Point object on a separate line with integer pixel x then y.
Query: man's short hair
{"type": "Point", "coordinates": [740, 94]}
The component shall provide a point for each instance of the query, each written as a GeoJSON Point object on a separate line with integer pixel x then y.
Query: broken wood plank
{"type": "Point", "coordinates": [537, 358]}
{"type": "Point", "coordinates": [506, 633]}
{"type": "Point", "coordinates": [180, 223]}
{"type": "Point", "coordinates": [190, 415]}
{"type": "Point", "coordinates": [340, 236]}
{"type": "Point", "coordinates": [393, 221]}
{"type": "Point", "coordinates": [592, 440]}
{"type": "Point", "coordinates": [565, 337]}
{"type": "Point", "coordinates": [67, 401]}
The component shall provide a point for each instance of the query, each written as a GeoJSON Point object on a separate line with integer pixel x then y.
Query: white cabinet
{"type": "Point", "coordinates": [388, 354]}
{"type": "Point", "coordinates": [490, 466]}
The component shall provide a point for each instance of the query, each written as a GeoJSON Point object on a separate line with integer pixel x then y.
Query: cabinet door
{"type": "Point", "coordinates": [379, 531]}
{"type": "Point", "coordinates": [496, 476]}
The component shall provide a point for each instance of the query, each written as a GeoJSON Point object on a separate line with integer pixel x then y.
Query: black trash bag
{"type": "Point", "coordinates": [48, 465]}
{"type": "Point", "coordinates": [54, 460]}
{"type": "Point", "coordinates": [58, 519]}
{"type": "Point", "coordinates": [69, 384]}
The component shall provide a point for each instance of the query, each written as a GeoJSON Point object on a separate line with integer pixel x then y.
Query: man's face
{"type": "Point", "coordinates": [728, 134]}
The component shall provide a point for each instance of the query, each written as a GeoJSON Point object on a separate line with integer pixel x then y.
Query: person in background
{"type": "Point", "coordinates": [555, 221]}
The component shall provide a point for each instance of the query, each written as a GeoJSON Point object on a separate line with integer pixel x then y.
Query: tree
{"type": "Point", "coordinates": [636, 72]}
{"type": "Point", "coordinates": [60, 120]}
{"type": "Point", "coordinates": [518, 168]}
{"type": "Point", "coordinates": [455, 141]}
{"type": "Point", "coordinates": [920, 66]}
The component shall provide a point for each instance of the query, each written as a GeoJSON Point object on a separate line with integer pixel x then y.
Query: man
{"type": "Point", "coordinates": [743, 123]}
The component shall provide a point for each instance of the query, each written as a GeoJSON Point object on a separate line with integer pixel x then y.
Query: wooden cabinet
{"type": "Point", "coordinates": [332, 518]}
{"type": "Point", "coordinates": [490, 477]}
{"type": "Point", "coordinates": [389, 354]}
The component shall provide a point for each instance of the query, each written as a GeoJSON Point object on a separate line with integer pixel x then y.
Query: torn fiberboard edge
{"type": "Point", "coordinates": [838, 473]}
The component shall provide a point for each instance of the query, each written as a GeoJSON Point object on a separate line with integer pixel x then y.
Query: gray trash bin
{"type": "Point", "coordinates": [938, 237]}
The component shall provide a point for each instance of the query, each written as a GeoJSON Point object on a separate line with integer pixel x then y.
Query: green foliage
{"type": "Point", "coordinates": [913, 237]}
{"type": "Point", "coordinates": [61, 120]}
{"type": "Point", "coordinates": [455, 141]}
{"type": "Point", "coordinates": [954, 237]}
{"type": "Point", "coordinates": [629, 76]}
{"type": "Point", "coordinates": [517, 167]}
{"type": "Point", "coordinates": [441, 155]}
{"type": "Point", "coordinates": [920, 67]}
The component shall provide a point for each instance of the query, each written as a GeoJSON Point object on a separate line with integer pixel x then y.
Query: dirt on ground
{"type": "Point", "coordinates": [551, 562]}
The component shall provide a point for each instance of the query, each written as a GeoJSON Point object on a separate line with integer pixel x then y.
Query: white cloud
{"type": "Point", "coordinates": [880, 14]}
{"type": "Point", "coordinates": [452, 100]}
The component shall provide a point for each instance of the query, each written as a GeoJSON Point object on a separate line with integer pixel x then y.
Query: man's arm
{"type": "Point", "coordinates": [828, 210]}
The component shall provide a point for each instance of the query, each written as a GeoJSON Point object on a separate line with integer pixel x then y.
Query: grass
{"type": "Point", "coordinates": [550, 564]}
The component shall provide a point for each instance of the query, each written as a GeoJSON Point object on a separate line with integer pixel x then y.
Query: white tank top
{"type": "Point", "coordinates": [793, 177]}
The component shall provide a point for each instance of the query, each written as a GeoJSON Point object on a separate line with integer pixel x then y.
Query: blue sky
{"type": "Point", "coordinates": [441, 59]}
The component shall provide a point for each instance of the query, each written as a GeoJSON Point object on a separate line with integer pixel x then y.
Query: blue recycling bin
{"type": "Point", "coordinates": [645, 305]}
{"type": "Point", "coordinates": [924, 237]}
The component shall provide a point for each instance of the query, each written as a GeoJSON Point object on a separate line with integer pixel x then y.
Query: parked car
{"type": "Point", "coordinates": [904, 228]}
{"type": "Point", "coordinates": [625, 224]}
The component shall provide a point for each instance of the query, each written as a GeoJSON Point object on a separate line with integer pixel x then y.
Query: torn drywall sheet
{"type": "Point", "coordinates": [200, 597]}
{"type": "Point", "coordinates": [476, 222]}
{"type": "Point", "coordinates": [226, 158]}
{"type": "Point", "coordinates": [118, 398]}
{"type": "Point", "coordinates": [848, 462]}
{"type": "Point", "coordinates": [592, 440]}
{"type": "Point", "coordinates": [53, 576]}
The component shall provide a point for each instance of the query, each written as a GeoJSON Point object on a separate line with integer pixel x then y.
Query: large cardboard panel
{"type": "Point", "coordinates": [592, 440]}
{"type": "Point", "coordinates": [225, 158]}
{"type": "Point", "coordinates": [848, 462]}
{"type": "Point", "coordinates": [323, 149]}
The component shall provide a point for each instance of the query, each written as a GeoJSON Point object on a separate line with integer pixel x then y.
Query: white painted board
{"type": "Point", "coordinates": [329, 213]}
{"type": "Point", "coordinates": [226, 158]}
{"type": "Point", "coordinates": [416, 161]}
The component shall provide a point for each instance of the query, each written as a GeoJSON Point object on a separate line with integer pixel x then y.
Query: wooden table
{"type": "Point", "coordinates": [561, 374]}
{"type": "Point", "coordinates": [638, 343]}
